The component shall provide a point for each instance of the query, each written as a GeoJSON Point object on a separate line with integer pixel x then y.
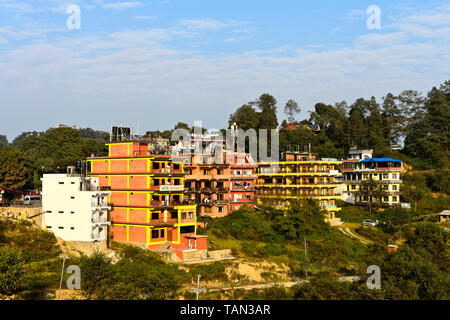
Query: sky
{"type": "Point", "coordinates": [151, 64]}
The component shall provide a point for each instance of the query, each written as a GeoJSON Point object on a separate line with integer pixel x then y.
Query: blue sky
{"type": "Point", "coordinates": [150, 64]}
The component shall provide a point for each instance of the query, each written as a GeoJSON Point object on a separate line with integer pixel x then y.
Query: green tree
{"type": "Point", "coordinates": [394, 118]}
{"type": "Point", "coordinates": [245, 117]}
{"type": "Point", "coordinates": [13, 171]}
{"type": "Point", "coordinates": [267, 106]}
{"type": "Point", "coordinates": [182, 125]}
{"type": "Point", "coordinates": [12, 270]}
{"type": "Point", "coordinates": [414, 188]}
{"type": "Point", "coordinates": [290, 109]}
{"type": "Point", "coordinates": [3, 140]}
{"type": "Point", "coordinates": [372, 190]}
{"type": "Point", "coordinates": [355, 127]}
{"type": "Point", "coordinates": [302, 219]}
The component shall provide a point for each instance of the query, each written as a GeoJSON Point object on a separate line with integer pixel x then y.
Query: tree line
{"type": "Point", "coordinates": [421, 122]}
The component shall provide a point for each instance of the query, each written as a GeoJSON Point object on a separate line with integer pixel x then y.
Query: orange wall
{"type": "Point", "coordinates": [138, 216]}
{"type": "Point", "coordinates": [138, 182]}
{"type": "Point", "coordinates": [118, 182]}
{"type": "Point", "coordinates": [138, 234]}
{"type": "Point", "coordinates": [118, 150]}
{"type": "Point", "coordinates": [138, 165]}
{"type": "Point", "coordinates": [99, 166]}
{"type": "Point", "coordinates": [138, 199]}
{"type": "Point", "coordinates": [119, 233]}
{"type": "Point", "coordinates": [118, 198]}
{"type": "Point", "coordinates": [119, 166]}
{"type": "Point", "coordinates": [118, 214]}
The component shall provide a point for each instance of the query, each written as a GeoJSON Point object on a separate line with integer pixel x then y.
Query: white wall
{"type": "Point", "coordinates": [68, 209]}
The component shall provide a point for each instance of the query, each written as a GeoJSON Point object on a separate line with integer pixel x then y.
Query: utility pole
{"type": "Point", "coordinates": [306, 259]}
{"type": "Point", "coordinates": [198, 289]}
{"type": "Point", "coordinates": [62, 272]}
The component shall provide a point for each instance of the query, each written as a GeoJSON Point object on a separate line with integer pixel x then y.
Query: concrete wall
{"type": "Point", "coordinates": [68, 210]}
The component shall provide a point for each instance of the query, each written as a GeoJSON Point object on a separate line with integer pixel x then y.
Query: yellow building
{"type": "Point", "coordinates": [360, 166]}
{"type": "Point", "coordinates": [299, 176]}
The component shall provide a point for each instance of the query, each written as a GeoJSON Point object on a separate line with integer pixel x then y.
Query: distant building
{"type": "Point", "coordinates": [444, 216]}
{"type": "Point", "coordinates": [74, 207]}
{"type": "Point", "coordinates": [295, 126]}
{"type": "Point", "coordinates": [360, 166]}
{"type": "Point", "coordinates": [299, 176]}
{"type": "Point", "coordinates": [208, 184]}
{"type": "Point", "coordinates": [243, 179]}
{"type": "Point", "coordinates": [157, 144]}
{"type": "Point", "coordinates": [219, 180]}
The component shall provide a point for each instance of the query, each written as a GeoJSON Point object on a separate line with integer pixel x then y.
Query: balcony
{"type": "Point", "coordinates": [100, 221]}
{"type": "Point", "coordinates": [164, 203]}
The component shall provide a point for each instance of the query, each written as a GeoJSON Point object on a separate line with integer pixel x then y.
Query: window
{"type": "Point", "coordinates": [386, 199]}
{"type": "Point", "coordinates": [72, 197]}
{"type": "Point", "coordinates": [72, 212]}
{"type": "Point", "coordinates": [394, 187]}
{"type": "Point", "coordinates": [394, 199]}
{"type": "Point", "coordinates": [173, 215]}
{"type": "Point", "coordinates": [187, 229]}
{"type": "Point", "coordinates": [353, 187]}
{"type": "Point", "coordinates": [385, 176]}
{"type": "Point", "coordinates": [72, 228]}
{"type": "Point", "coordinates": [155, 215]}
{"type": "Point", "coordinates": [72, 182]}
{"type": "Point", "coordinates": [60, 227]}
{"type": "Point", "coordinates": [49, 227]}
{"type": "Point", "coordinates": [61, 211]}
{"type": "Point", "coordinates": [162, 233]}
{"type": "Point", "coordinates": [155, 234]}
{"type": "Point", "coordinates": [248, 197]}
{"type": "Point", "coordinates": [61, 182]}
{"type": "Point", "coordinates": [394, 176]}
{"type": "Point", "coordinates": [220, 209]}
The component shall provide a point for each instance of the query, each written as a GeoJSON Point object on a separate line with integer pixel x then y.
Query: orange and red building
{"type": "Point", "coordinates": [148, 204]}
{"type": "Point", "coordinates": [243, 179]}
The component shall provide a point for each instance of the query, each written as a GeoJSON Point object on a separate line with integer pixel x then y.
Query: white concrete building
{"type": "Point", "coordinates": [74, 208]}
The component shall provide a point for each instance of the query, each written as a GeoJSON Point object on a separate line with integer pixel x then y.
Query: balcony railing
{"type": "Point", "coordinates": [173, 203]}
{"type": "Point", "coordinates": [100, 220]}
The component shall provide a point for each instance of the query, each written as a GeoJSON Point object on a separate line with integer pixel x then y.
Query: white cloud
{"type": "Point", "coordinates": [208, 24]}
{"type": "Point", "coordinates": [121, 5]}
{"type": "Point", "coordinates": [144, 17]}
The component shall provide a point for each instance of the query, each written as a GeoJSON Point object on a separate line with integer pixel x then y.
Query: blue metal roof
{"type": "Point", "coordinates": [381, 160]}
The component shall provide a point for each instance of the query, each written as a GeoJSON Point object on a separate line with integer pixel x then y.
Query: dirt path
{"type": "Point", "coordinates": [350, 234]}
{"type": "Point", "coordinates": [287, 284]}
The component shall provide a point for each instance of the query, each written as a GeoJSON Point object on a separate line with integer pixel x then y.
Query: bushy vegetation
{"type": "Point", "coordinates": [138, 274]}
{"type": "Point", "coordinates": [302, 219]}
{"type": "Point", "coordinates": [29, 260]}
